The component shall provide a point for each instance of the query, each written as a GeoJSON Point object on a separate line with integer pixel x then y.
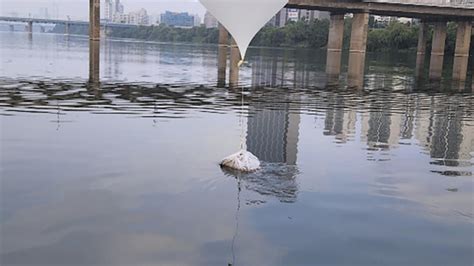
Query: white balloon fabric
{"type": "Point", "coordinates": [243, 18]}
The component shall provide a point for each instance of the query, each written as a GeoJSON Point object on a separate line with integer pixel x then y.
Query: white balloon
{"type": "Point", "coordinates": [243, 18]}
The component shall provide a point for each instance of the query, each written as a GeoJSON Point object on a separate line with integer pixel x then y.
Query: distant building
{"type": "Point", "coordinates": [308, 15]}
{"type": "Point", "coordinates": [108, 10]}
{"type": "Point", "coordinates": [292, 15]}
{"type": "Point", "coordinates": [177, 19]}
{"type": "Point", "coordinates": [139, 17]}
{"type": "Point", "coordinates": [197, 20]}
{"type": "Point", "coordinates": [114, 12]}
{"type": "Point", "coordinates": [43, 13]}
{"type": "Point", "coordinates": [286, 15]}
{"type": "Point", "coordinates": [119, 7]}
{"type": "Point", "coordinates": [210, 21]}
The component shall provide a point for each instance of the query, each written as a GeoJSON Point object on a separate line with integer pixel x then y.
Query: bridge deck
{"type": "Point", "coordinates": [59, 21]}
{"type": "Point", "coordinates": [386, 8]}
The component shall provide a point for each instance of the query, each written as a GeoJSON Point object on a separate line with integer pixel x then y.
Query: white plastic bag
{"type": "Point", "coordinates": [243, 18]}
{"type": "Point", "coordinates": [243, 161]}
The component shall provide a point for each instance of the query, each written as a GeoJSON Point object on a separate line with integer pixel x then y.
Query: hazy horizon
{"type": "Point", "coordinates": [78, 9]}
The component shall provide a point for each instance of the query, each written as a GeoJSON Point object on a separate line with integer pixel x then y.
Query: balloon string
{"type": "Point", "coordinates": [242, 141]}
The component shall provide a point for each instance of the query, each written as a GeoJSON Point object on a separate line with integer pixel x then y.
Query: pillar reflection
{"type": "Point", "coordinates": [94, 61]}
{"type": "Point", "coordinates": [222, 56]}
{"type": "Point", "coordinates": [234, 64]}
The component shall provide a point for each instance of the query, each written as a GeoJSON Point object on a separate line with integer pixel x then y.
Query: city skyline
{"type": "Point", "coordinates": [79, 9]}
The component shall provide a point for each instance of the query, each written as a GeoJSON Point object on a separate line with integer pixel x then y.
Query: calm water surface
{"type": "Point", "coordinates": [126, 172]}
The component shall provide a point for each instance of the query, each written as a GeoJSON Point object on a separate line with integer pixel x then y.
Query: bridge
{"type": "Point", "coordinates": [29, 23]}
{"type": "Point", "coordinates": [436, 13]}
{"type": "Point", "coordinates": [408, 8]}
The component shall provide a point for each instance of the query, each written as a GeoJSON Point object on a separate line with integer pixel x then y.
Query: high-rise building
{"type": "Point", "coordinates": [210, 21]}
{"type": "Point", "coordinates": [177, 19]}
{"type": "Point", "coordinates": [286, 14]}
{"type": "Point", "coordinates": [292, 15]}
{"type": "Point", "coordinates": [139, 17]}
{"type": "Point", "coordinates": [44, 13]}
{"type": "Point", "coordinates": [108, 10]}
{"type": "Point", "coordinates": [197, 20]}
{"type": "Point", "coordinates": [119, 9]}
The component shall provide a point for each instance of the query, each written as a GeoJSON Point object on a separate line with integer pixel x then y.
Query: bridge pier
{"type": "Point", "coordinates": [421, 51]}
{"type": "Point", "coordinates": [437, 51]}
{"type": "Point", "coordinates": [29, 27]}
{"type": "Point", "coordinates": [94, 20]}
{"type": "Point", "coordinates": [461, 56]}
{"type": "Point", "coordinates": [334, 50]}
{"type": "Point", "coordinates": [222, 55]}
{"type": "Point", "coordinates": [12, 28]}
{"type": "Point", "coordinates": [358, 48]}
{"type": "Point", "coordinates": [234, 64]}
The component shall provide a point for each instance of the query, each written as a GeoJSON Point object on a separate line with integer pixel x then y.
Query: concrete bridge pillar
{"type": "Point", "coordinates": [334, 53]}
{"type": "Point", "coordinates": [29, 27]}
{"type": "Point", "coordinates": [461, 56]}
{"type": "Point", "coordinates": [94, 17]}
{"type": "Point", "coordinates": [222, 56]}
{"type": "Point", "coordinates": [358, 48]}
{"type": "Point", "coordinates": [421, 54]}
{"type": "Point", "coordinates": [437, 51]}
{"type": "Point", "coordinates": [234, 64]}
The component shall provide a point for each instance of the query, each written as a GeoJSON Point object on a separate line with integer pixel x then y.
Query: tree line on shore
{"type": "Point", "coordinates": [313, 34]}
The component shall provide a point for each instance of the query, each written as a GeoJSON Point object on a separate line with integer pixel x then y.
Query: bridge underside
{"type": "Point", "coordinates": [427, 12]}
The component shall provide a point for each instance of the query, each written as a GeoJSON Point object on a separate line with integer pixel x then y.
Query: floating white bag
{"type": "Point", "coordinates": [242, 161]}
{"type": "Point", "coordinates": [243, 18]}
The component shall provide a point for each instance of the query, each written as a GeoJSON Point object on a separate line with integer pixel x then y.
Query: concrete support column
{"type": "Point", "coordinates": [421, 54]}
{"type": "Point", "coordinates": [334, 53]}
{"type": "Point", "coordinates": [94, 61]}
{"type": "Point", "coordinates": [222, 56]}
{"type": "Point", "coordinates": [461, 55]}
{"type": "Point", "coordinates": [94, 20]}
{"type": "Point", "coordinates": [437, 51]}
{"type": "Point", "coordinates": [29, 27]}
{"type": "Point", "coordinates": [358, 48]}
{"type": "Point", "coordinates": [234, 64]}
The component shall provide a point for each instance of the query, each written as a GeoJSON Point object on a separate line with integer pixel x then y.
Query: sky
{"type": "Point", "coordinates": [78, 9]}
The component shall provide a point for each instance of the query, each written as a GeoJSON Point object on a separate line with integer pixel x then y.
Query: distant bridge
{"type": "Point", "coordinates": [30, 21]}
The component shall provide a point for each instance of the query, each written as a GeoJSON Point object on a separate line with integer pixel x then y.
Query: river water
{"type": "Point", "coordinates": [126, 172]}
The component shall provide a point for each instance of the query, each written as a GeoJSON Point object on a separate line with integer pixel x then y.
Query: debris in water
{"type": "Point", "coordinates": [243, 161]}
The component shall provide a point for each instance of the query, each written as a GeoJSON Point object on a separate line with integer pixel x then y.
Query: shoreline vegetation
{"type": "Point", "coordinates": [394, 36]}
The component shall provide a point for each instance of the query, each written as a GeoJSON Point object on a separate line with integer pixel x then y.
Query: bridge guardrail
{"type": "Point", "coordinates": [452, 3]}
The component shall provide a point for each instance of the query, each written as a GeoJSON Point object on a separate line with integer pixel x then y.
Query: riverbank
{"type": "Point", "coordinates": [395, 36]}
